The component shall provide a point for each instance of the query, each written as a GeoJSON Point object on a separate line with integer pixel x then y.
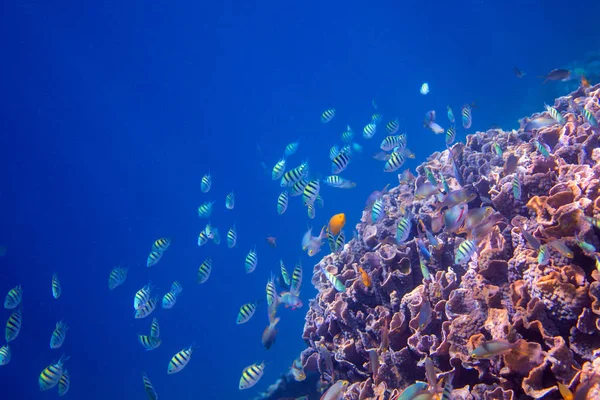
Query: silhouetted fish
{"type": "Point", "coordinates": [518, 72]}
{"type": "Point", "coordinates": [557, 75]}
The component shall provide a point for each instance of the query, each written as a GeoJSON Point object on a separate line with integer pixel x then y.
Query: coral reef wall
{"type": "Point", "coordinates": [542, 183]}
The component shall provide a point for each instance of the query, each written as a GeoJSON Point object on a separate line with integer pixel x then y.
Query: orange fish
{"type": "Point", "coordinates": [584, 82]}
{"type": "Point", "coordinates": [337, 222]}
{"type": "Point", "coordinates": [366, 280]}
{"type": "Point", "coordinates": [272, 241]}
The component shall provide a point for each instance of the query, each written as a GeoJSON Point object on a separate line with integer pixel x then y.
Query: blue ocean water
{"type": "Point", "coordinates": [113, 111]}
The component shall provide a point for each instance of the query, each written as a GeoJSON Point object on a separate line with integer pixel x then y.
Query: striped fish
{"type": "Point", "coordinates": [465, 251]}
{"type": "Point", "coordinates": [377, 210]}
{"type": "Point", "coordinates": [117, 277]}
{"type": "Point", "coordinates": [278, 169]}
{"type": "Point", "coordinates": [447, 393]}
{"type": "Point", "coordinates": [206, 183]}
{"type": "Point", "coordinates": [327, 115]}
{"type": "Point", "coordinates": [251, 261]}
{"type": "Point", "coordinates": [311, 211]}
{"type": "Point", "coordinates": [204, 270]}
{"type": "Point", "coordinates": [395, 161]}
{"type": "Point", "coordinates": [403, 229]}
{"type": "Point", "coordinates": [392, 126]}
{"type": "Point", "coordinates": [148, 387]}
{"type": "Point", "coordinates": [180, 360]}
{"type": "Point", "coordinates": [251, 375]}
{"type": "Point", "coordinates": [376, 118]}
{"type": "Point", "coordinates": [589, 117]}
{"type": "Point", "coordinates": [59, 335]}
{"type": "Point", "coordinates": [450, 135]}
{"type": "Point", "coordinates": [543, 255]}
{"type": "Point", "coordinates": [202, 238]}
{"type": "Point", "coordinates": [246, 312]}
{"type": "Point", "coordinates": [230, 201]}
{"type": "Point", "coordinates": [340, 241]}
{"type": "Point", "coordinates": [390, 142]}
{"type": "Point", "coordinates": [149, 342]}
{"type": "Point", "coordinates": [13, 297]}
{"type": "Point", "coordinates": [291, 177]}
{"type": "Point", "coordinates": [64, 383]}
{"type": "Point", "coordinates": [450, 115]}
{"type": "Point", "coordinates": [5, 354]}
{"type": "Point", "coordinates": [466, 116]}
{"type": "Point", "coordinates": [284, 273]}
{"type": "Point", "coordinates": [333, 152]}
{"type": "Point", "coordinates": [348, 134]}
{"type": "Point", "coordinates": [155, 328]}
{"type": "Point", "coordinates": [271, 291]}
{"type": "Point", "coordinates": [169, 300]}
{"type": "Point", "coordinates": [339, 182]}
{"type": "Point", "coordinates": [161, 245]}
{"type": "Point", "coordinates": [369, 130]}
{"type": "Point", "coordinates": [291, 148]}
{"type": "Point", "coordinates": [13, 326]}
{"type": "Point", "coordinates": [147, 309]}
{"type": "Point", "coordinates": [142, 296]}
{"type": "Point", "coordinates": [497, 149]}
{"type": "Point", "coordinates": [176, 288]}
{"type": "Point", "coordinates": [153, 258]}
{"type": "Point", "coordinates": [205, 209]}
{"type": "Point", "coordinates": [56, 288]}
{"type": "Point", "coordinates": [296, 280]}
{"type": "Point", "coordinates": [337, 284]}
{"type": "Point", "coordinates": [231, 237]}
{"type": "Point", "coordinates": [516, 187]}
{"type": "Point", "coordinates": [282, 202]}
{"type": "Point", "coordinates": [542, 148]}
{"type": "Point", "coordinates": [51, 375]}
{"type": "Point", "coordinates": [298, 187]}
{"type": "Point", "coordinates": [554, 114]}
{"type": "Point", "coordinates": [330, 239]}
{"type": "Point", "coordinates": [340, 163]}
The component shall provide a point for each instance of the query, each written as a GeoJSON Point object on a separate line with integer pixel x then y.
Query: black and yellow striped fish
{"type": "Point", "coordinates": [291, 177]}
{"type": "Point", "coordinates": [340, 163]}
{"type": "Point", "coordinates": [149, 342]}
{"type": "Point", "coordinates": [51, 375]}
{"type": "Point", "coordinates": [311, 211]}
{"type": "Point", "coordinates": [330, 239]}
{"type": "Point", "coordinates": [340, 241]}
{"type": "Point", "coordinates": [117, 277]}
{"type": "Point", "coordinates": [246, 312]}
{"type": "Point", "coordinates": [271, 292]}
{"type": "Point", "coordinates": [148, 387]}
{"type": "Point", "coordinates": [251, 261]}
{"type": "Point", "coordinates": [204, 270]}
{"type": "Point", "coordinates": [64, 383]}
{"type": "Point", "coordinates": [392, 126]}
{"type": "Point", "coordinates": [5, 355]}
{"type": "Point", "coordinates": [180, 360]}
{"type": "Point", "coordinates": [327, 115]}
{"type": "Point", "coordinates": [155, 328]}
{"type": "Point", "coordinates": [142, 296]}
{"type": "Point", "coordinates": [282, 202]}
{"type": "Point", "coordinates": [311, 191]}
{"type": "Point", "coordinates": [153, 258]}
{"type": "Point", "coordinates": [147, 309]}
{"type": "Point", "coordinates": [161, 244]}
{"type": "Point", "coordinates": [284, 273]}
{"type": "Point", "coordinates": [396, 161]}
{"type": "Point", "coordinates": [296, 280]}
{"type": "Point", "coordinates": [251, 375]}
{"type": "Point", "coordinates": [56, 289]}
{"type": "Point", "coordinates": [169, 300]}
{"type": "Point", "coordinates": [59, 335]}
{"type": "Point", "coordinates": [13, 325]}
{"type": "Point", "coordinates": [298, 187]}
{"type": "Point", "coordinates": [450, 135]}
{"type": "Point", "coordinates": [13, 297]}
{"type": "Point", "coordinates": [465, 251]}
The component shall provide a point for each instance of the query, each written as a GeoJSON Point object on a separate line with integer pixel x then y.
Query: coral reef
{"type": "Point", "coordinates": [531, 283]}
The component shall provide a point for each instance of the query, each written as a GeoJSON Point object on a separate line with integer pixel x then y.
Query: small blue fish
{"type": "Point", "coordinates": [206, 183]}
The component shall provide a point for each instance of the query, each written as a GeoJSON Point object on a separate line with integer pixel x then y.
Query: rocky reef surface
{"type": "Point", "coordinates": [542, 183]}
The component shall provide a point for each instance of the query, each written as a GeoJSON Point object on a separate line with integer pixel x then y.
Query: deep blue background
{"type": "Point", "coordinates": [111, 113]}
